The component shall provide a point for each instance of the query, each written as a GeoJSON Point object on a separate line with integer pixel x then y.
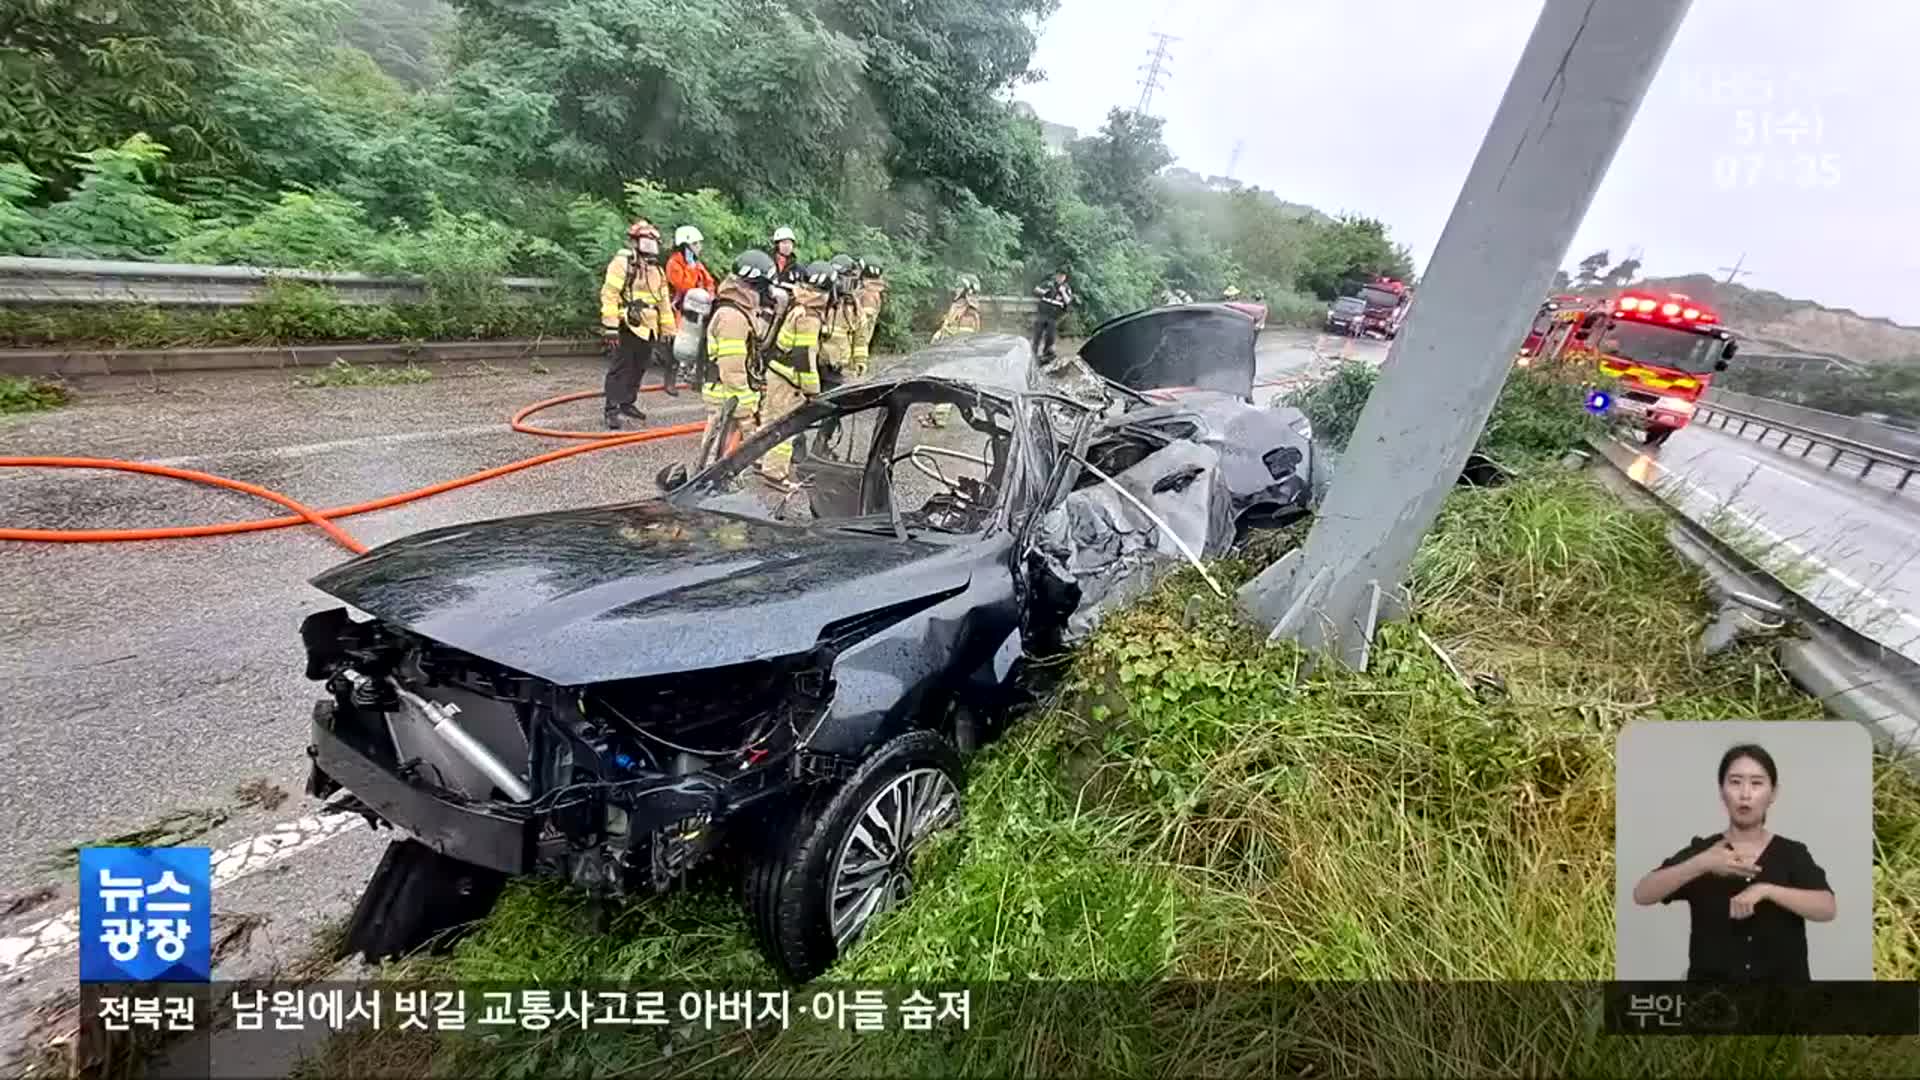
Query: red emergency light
{"type": "Point", "coordinates": [1673, 308]}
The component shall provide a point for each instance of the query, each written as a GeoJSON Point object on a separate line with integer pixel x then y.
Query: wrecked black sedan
{"type": "Point", "coordinates": [784, 677]}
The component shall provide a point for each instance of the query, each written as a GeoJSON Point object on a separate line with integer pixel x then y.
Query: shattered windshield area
{"type": "Point", "coordinates": [938, 458]}
{"type": "Point", "coordinates": [1374, 297]}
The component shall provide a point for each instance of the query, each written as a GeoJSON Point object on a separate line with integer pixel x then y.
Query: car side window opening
{"type": "Point", "coordinates": [949, 464]}
{"type": "Point", "coordinates": [939, 458]}
{"type": "Point", "coordinates": [828, 473]}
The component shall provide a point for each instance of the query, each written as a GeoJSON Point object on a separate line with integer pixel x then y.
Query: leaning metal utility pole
{"type": "Point", "coordinates": [1566, 110]}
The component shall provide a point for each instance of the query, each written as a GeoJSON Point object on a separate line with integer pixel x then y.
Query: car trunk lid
{"type": "Point", "coordinates": [1197, 346]}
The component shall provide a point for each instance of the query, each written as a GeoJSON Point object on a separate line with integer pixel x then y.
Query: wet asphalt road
{"type": "Point", "coordinates": [1854, 543]}
{"type": "Point", "coordinates": [150, 680]}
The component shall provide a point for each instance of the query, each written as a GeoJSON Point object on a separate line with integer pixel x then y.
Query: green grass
{"type": "Point", "coordinates": [26, 393]}
{"type": "Point", "coordinates": [1790, 569]}
{"type": "Point", "coordinates": [341, 373]}
{"type": "Point", "coordinates": [1539, 414]}
{"type": "Point", "coordinates": [1195, 806]}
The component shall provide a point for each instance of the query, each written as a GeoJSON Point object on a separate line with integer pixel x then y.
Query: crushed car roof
{"type": "Point", "coordinates": [996, 361]}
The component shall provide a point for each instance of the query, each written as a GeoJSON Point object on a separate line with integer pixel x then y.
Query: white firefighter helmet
{"type": "Point", "coordinates": [784, 232]}
{"type": "Point", "coordinates": [1232, 292]}
{"type": "Point", "coordinates": [686, 234]}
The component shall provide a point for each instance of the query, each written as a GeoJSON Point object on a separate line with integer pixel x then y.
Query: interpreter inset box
{"type": "Point", "coordinates": [1743, 851]}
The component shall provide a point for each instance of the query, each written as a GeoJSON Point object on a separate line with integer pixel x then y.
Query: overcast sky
{"type": "Point", "coordinates": [1388, 124]}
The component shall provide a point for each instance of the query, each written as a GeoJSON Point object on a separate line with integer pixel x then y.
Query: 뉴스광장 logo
{"type": "Point", "coordinates": [146, 914]}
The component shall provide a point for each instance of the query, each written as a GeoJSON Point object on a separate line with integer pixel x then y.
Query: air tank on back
{"type": "Point", "coordinates": [694, 309]}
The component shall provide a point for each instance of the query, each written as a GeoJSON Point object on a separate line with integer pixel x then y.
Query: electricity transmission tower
{"type": "Point", "coordinates": [1155, 67]}
{"type": "Point", "coordinates": [1233, 160]}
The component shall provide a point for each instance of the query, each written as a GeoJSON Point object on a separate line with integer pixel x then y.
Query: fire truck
{"type": "Point", "coordinates": [1653, 355]}
{"type": "Point", "coordinates": [1554, 314]}
{"type": "Point", "coordinates": [1387, 300]}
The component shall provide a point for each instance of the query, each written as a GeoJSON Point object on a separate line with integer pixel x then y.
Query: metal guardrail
{"type": "Point", "coordinates": [88, 281]}
{"type": "Point", "coordinates": [1840, 445]}
{"type": "Point", "coordinates": [98, 281]}
{"type": "Point", "coordinates": [1853, 675]}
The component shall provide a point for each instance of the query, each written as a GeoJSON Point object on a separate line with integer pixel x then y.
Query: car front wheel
{"type": "Point", "coordinates": [812, 891]}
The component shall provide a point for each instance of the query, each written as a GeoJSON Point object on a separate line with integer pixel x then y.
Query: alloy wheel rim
{"type": "Point", "coordinates": [872, 872]}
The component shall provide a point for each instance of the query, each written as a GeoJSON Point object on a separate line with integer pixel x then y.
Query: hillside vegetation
{"type": "Point", "coordinates": [468, 139]}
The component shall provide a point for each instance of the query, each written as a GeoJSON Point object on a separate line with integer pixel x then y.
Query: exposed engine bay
{"type": "Point", "coordinates": [615, 787]}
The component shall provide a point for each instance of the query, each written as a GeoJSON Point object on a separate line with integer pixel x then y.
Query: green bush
{"type": "Point", "coordinates": [1333, 404]}
{"type": "Point", "coordinates": [308, 231]}
{"type": "Point", "coordinates": [23, 393]}
{"type": "Point", "coordinates": [1539, 414]}
{"type": "Point", "coordinates": [115, 213]}
{"type": "Point", "coordinates": [1289, 308]}
{"type": "Point", "coordinates": [292, 313]}
{"type": "Point", "coordinates": [19, 230]}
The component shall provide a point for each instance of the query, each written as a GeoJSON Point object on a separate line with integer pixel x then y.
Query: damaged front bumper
{"type": "Point", "coordinates": [352, 750]}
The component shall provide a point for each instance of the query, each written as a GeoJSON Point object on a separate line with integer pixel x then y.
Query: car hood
{"type": "Point", "coordinates": [1207, 346]}
{"type": "Point", "coordinates": [644, 588]}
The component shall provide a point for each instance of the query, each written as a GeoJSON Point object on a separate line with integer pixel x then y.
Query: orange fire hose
{"type": "Point", "coordinates": [324, 519]}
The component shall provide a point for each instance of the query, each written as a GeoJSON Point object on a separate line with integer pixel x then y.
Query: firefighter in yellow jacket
{"type": "Point", "coordinates": [793, 374]}
{"type": "Point", "coordinates": [840, 326]}
{"type": "Point", "coordinates": [873, 290]}
{"type": "Point", "coordinates": [735, 330]}
{"type": "Point", "coordinates": [962, 319]}
{"type": "Point", "coordinates": [636, 321]}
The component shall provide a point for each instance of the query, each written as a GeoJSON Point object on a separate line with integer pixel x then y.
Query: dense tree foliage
{"type": "Point", "coordinates": [80, 76]}
{"type": "Point", "coordinates": [460, 138]}
{"type": "Point", "coordinates": [1119, 166]}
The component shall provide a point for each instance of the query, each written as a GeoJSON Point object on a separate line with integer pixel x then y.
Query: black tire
{"type": "Point", "coordinates": [1658, 436]}
{"type": "Point", "coordinates": [789, 876]}
{"type": "Point", "coordinates": [417, 897]}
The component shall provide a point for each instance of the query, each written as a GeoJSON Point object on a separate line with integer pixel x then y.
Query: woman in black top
{"type": "Point", "coordinates": [1749, 892]}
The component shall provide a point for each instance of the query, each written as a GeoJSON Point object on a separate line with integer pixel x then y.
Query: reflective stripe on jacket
{"type": "Point", "coordinates": [625, 285]}
{"type": "Point", "coordinates": [795, 346]}
{"type": "Point", "coordinates": [870, 297]}
{"type": "Point", "coordinates": [730, 335]}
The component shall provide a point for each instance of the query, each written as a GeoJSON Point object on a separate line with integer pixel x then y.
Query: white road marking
{"type": "Point", "coordinates": [302, 450]}
{"type": "Point", "coordinates": [45, 940]}
{"type": "Point", "coordinates": [311, 449]}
